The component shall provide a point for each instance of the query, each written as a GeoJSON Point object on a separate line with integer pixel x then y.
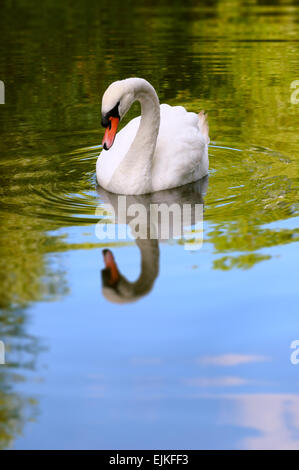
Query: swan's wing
{"type": "Point", "coordinates": [181, 154]}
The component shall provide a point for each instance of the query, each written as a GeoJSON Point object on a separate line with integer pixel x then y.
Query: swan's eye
{"type": "Point", "coordinates": [114, 112]}
{"type": "Point", "coordinates": [105, 120]}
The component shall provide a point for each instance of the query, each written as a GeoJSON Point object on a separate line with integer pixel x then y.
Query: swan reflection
{"type": "Point", "coordinates": [115, 286]}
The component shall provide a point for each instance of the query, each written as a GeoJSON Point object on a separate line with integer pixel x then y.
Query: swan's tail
{"type": "Point", "coordinates": [204, 125]}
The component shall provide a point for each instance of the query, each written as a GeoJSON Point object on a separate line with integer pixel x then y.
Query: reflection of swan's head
{"type": "Point", "coordinates": [116, 288]}
{"type": "Point", "coordinates": [111, 274]}
{"type": "Point", "coordinates": [116, 102]}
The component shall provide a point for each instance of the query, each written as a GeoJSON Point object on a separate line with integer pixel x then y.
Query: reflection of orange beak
{"type": "Point", "coordinates": [110, 132]}
{"type": "Point", "coordinates": [111, 265]}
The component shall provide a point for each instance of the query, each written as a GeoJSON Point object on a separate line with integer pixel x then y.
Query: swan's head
{"type": "Point", "coordinates": [116, 101]}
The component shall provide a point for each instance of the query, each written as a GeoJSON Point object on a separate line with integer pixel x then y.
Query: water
{"type": "Point", "coordinates": [203, 359]}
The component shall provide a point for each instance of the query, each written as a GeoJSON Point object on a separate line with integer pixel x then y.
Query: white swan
{"type": "Point", "coordinates": [164, 148]}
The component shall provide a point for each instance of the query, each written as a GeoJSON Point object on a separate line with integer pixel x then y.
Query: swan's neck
{"type": "Point", "coordinates": [137, 163]}
{"type": "Point", "coordinates": [149, 250]}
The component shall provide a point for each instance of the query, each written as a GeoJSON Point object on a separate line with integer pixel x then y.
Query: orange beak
{"type": "Point", "coordinates": [111, 264]}
{"type": "Point", "coordinates": [110, 132]}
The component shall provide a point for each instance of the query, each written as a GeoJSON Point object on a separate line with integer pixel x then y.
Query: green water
{"type": "Point", "coordinates": [237, 295]}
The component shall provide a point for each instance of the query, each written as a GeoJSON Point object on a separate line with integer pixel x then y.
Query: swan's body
{"type": "Point", "coordinates": [164, 148]}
